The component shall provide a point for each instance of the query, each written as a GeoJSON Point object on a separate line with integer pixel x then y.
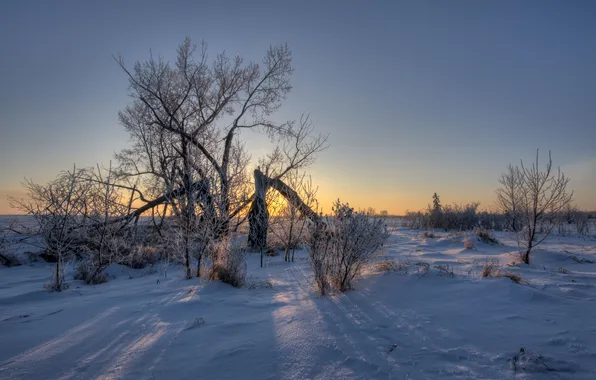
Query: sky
{"type": "Point", "coordinates": [418, 97]}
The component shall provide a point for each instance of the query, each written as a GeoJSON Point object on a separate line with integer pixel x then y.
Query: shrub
{"type": "Point", "coordinates": [445, 270]}
{"type": "Point", "coordinates": [9, 259]}
{"type": "Point", "coordinates": [142, 256]}
{"type": "Point", "coordinates": [254, 283]}
{"type": "Point", "coordinates": [468, 243]}
{"type": "Point", "coordinates": [319, 249]}
{"type": "Point", "coordinates": [387, 266]}
{"type": "Point", "coordinates": [89, 273]}
{"type": "Point", "coordinates": [423, 267]}
{"type": "Point", "coordinates": [228, 264]}
{"type": "Point", "coordinates": [392, 266]}
{"type": "Point", "coordinates": [429, 235]}
{"type": "Point", "coordinates": [491, 269]}
{"type": "Point", "coordinates": [563, 270]}
{"type": "Point", "coordinates": [342, 244]}
{"type": "Point", "coordinates": [486, 237]}
{"type": "Point", "coordinates": [515, 278]}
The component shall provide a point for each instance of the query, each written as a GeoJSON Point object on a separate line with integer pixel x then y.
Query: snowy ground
{"type": "Point", "coordinates": [409, 324]}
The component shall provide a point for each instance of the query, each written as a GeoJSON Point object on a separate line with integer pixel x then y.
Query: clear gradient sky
{"type": "Point", "coordinates": [418, 96]}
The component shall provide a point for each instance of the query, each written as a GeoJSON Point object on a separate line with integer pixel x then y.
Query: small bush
{"type": "Point", "coordinates": [445, 270]}
{"type": "Point", "coordinates": [141, 257]}
{"type": "Point", "coordinates": [89, 273]}
{"type": "Point", "coordinates": [486, 237]}
{"type": "Point", "coordinates": [424, 267]}
{"type": "Point", "coordinates": [515, 278]}
{"type": "Point", "coordinates": [392, 266]}
{"type": "Point", "coordinates": [491, 269]}
{"type": "Point", "coordinates": [254, 283]}
{"type": "Point", "coordinates": [563, 270]}
{"type": "Point", "coordinates": [9, 259]}
{"type": "Point", "coordinates": [342, 244]}
{"type": "Point", "coordinates": [428, 235]}
{"type": "Point", "coordinates": [387, 266]}
{"type": "Point", "coordinates": [468, 243]}
{"type": "Point", "coordinates": [228, 264]}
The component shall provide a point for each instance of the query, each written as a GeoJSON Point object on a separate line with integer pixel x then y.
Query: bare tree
{"type": "Point", "coordinates": [185, 121]}
{"type": "Point", "coordinates": [531, 197]}
{"type": "Point", "coordinates": [58, 208]}
{"type": "Point", "coordinates": [186, 118]}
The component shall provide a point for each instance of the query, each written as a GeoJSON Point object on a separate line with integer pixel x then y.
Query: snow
{"type": "Point", "coordinates": [410, 324]}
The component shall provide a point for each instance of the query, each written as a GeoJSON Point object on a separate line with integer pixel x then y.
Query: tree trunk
{"type": "Point", "coordinates": [58, 278]}
{"type": "Point", "coordinates": [258, 215]}
{"type": "Point", "coordinates": [187, 257]}
{"type": "Point", "coordinates": [199, 266]}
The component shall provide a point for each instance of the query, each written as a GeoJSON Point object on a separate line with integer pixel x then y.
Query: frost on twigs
{"type": "Point", "coordinates": [342, 244]}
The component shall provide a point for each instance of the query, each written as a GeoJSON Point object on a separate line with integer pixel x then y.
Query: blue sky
{"type": "Point", "coordinates": [418, 97]}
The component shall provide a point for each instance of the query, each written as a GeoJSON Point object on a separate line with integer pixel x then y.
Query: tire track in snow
{"type": "Point", "coordinates": [345, 325]}
{"type": "Point", "coordinates": [423, 345]}
{"type": "Point", "coordinates": [51, 348]}
{"type": "Point", "coordinates": [150, 337]}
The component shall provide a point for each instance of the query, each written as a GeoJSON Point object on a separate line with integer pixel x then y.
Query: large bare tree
{"type": "Point", "coordinates": [185, 120]}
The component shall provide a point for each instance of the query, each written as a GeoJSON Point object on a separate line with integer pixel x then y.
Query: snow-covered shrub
{"type": "Point", "coordinates": [491, 269]}
{"type": "Point", "coordinates": [342, 244]}
{"type": "Point", "coordinates": [90, 273]}
{"type": "Point", "coordinates": [486, 237]}
{"type": "Point", "coordinates": [142, 256]}
{"type": "Point", "coordinates": [318, 251]}
{"type": "Point", "coordinates": [518, 279]}
{"type": "Point", "coordinates": [9, 259]}
{"type": "Point", "coordinates": [445, 270]}
{"type": "Point", "coordinates": [581, 222]}
{"type": "Point", "coordinates": [416, 220]}
{"type": "Point", "coordinates": [429, 235]}
{"type": "Point", "coordinates": [460, 217]}
{"type": "Point", "coordinates": [468, 243]}
{"type": "Point", "coordinates": [228, 263]}
{"type": "Point", "coordinates": [387, 266]}
{"type": "Point", "coordinates": [255, 283]}
{"type": "Point", "coordinates": [400, 267]}
{"type": "Point", "coordinates": [423, 267]}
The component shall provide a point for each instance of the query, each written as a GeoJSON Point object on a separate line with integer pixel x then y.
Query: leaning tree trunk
{"type": "Point", "coordinates": [258, 215]}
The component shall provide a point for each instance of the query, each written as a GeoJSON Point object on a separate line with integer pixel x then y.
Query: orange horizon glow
{"type": "Point", "coordinates": [392, 203]}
